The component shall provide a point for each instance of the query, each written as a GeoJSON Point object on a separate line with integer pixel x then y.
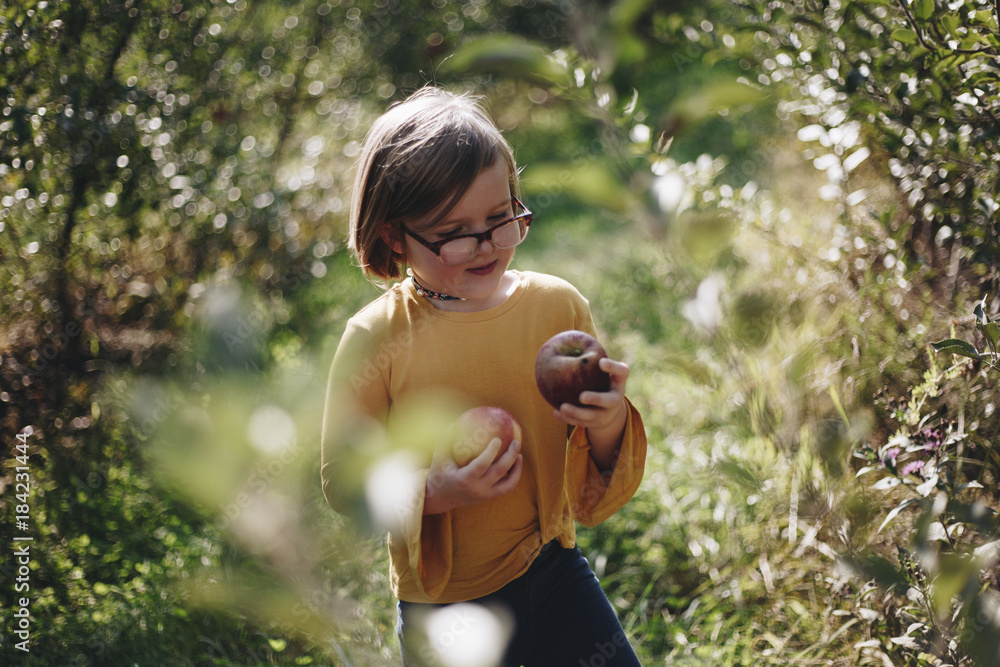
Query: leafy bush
{"type": "Point", "coordinates": [942, 462]}
{"type": "Point", "coordinates": [919, 79]}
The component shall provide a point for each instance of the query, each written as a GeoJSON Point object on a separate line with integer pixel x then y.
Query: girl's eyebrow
{"type": "Point", "coordinates": [460, 221]}
{"type": "Point", "coordinates": [504, 204]}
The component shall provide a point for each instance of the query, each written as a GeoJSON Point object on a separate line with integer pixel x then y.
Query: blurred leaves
{"type": "Point", "coordinates": [754, 316]}
{"type": "Point", "coordinates": [704, 236]}
{"type": "Point", "coordinates": [507, 55]}
{"type": "Point", "coordinates": [706, 102]}
{"type": "Point", "coordinates": [590, 181]}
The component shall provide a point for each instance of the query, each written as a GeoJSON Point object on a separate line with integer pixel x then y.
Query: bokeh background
{"type": "Point", "coordinates": [783, 214]}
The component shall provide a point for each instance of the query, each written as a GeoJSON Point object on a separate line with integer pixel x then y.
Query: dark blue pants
{"type": "Point", "coordinates": [561, 617]}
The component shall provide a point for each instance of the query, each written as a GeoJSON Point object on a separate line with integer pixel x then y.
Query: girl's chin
{"type": "Point", "coordinates": [475, 284]}
{"type": "Point", "coordinates": [482, 286]}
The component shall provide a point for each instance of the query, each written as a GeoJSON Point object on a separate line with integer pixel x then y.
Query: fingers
{"type": "Point", "coordinates": [507, 459]}
{"type": "Point", "coordinates": [509, 481]}
{"type": "Point", "coordinates": [608, 399]}
{"type": "Point", "coordinates": [598, 399]}
{"type": "Point", "coordinates": [586, 417]}
{"type": "Point", "coordinates": [479, 465]}
{"type": "Point", "coordinates": [618, 371]}
{"type": "Point", "coordinates": [496, 471]}
{"type": "Point", "coordinates": [450, 486]}
{"type": "Point", "coordinates": [598, 407]}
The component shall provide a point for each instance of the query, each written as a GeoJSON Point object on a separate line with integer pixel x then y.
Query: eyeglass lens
{"type": "Point", "coordinates": [504, 237]}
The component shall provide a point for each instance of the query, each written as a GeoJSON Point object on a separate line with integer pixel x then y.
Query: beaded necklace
{"type": "Point", "coordinates": [428, 294]}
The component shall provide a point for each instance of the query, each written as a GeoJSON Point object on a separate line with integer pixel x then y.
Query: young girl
{"type": "Point", "coordinates": [437, 193]}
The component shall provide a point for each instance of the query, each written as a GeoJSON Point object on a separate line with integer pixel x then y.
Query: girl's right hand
{"type": "Point", "coordinates": [450, 487]}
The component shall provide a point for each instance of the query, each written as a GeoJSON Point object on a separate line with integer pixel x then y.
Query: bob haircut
{"type": "Point", "coordinates": [420, 157]}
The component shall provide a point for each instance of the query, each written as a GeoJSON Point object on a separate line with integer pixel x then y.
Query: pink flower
{"type": "Point", "coordinates": [890, 456]}
{"type": "Point", "coordinates": [932, 439]}
{"type": "Point", "coordinates": [910, 467]}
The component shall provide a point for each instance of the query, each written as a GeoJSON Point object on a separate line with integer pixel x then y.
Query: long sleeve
{"type": "Point", "coordinates": [595, 496]}
{"type": "Point", "coordinates": [357, 404]}
{"type": "Point", "coordinates": [428, 546]}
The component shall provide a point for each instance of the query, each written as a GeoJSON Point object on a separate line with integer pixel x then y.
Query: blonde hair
{"type": "Point", "coordinates": [422, 153]}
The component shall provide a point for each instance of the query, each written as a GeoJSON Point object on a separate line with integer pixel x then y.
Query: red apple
{"type": "Point", "coordinates": [567, 365]}
{"type": "Point", "coordinates": [476, 428]}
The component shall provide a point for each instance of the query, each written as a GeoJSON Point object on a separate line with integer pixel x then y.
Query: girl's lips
{"type": "Point", "coordinates": [484, 270]}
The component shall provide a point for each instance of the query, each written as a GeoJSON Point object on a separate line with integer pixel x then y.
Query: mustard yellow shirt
{"type": "Point", "coordinates": [400, 344]}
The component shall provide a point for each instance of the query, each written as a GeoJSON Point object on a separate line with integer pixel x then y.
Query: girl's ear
{"type": "Point", "coordinates": [391, 237]}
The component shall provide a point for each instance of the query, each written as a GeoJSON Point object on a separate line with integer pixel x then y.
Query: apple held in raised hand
{"type": "Point", "coordinates": [567, 365]}
{"type": "Point", "coordinates": [476, 428]}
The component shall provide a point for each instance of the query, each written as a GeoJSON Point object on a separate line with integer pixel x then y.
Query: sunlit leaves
{"type": "Point", "coordinates": [990, 331]}
{"type": "Point", "coordinates": [707, 101]}
{"type": "Point", "coordinates": [904, 36]}
{"type": "Point", "coordinates": [923, 9]}
{"type": "Point", "coordinates": [894, 512]}
{"type": "Point", "coordinates": [131, 134]}
{"type": "Point", "coordinates": [590, 181]}
{"type": "Point", "coordinates": [510, 56]}
{"type": "Point", "coordinates": [918, 75]}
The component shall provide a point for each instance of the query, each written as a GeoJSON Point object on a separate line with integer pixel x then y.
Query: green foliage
{"type": "Point", "coordinates": [939, 468]}
{"type": "Point", "coordinates": [988, 328]}
{"type": "Point", "coordinates": [919, 80]}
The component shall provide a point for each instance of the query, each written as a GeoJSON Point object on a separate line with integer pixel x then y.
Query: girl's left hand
{"type": "Point", "coordinates": [603, 413]}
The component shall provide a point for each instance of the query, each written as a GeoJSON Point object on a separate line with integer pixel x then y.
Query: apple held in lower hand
{"type": "Point", "coordinates": [476, 428]}
{"type": "Point", "coordinates": [569, 364]}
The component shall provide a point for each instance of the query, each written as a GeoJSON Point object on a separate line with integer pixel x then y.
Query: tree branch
{"type": "Point", "coordinates": [83, 175]}
{"type": "Point", "coordinates": [934, 47]}
{"type": "Point", "coordinates": [913, 24]}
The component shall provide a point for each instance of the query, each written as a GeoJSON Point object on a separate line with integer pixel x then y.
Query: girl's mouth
{"type": "Point", "coordinates": [484, 270]}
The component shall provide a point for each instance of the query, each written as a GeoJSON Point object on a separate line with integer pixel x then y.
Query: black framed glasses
{"type": "Point", "coordinates": [460, 249]}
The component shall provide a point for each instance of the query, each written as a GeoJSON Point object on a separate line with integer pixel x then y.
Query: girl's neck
{"type": "Point", "coordinates": [506, 288]}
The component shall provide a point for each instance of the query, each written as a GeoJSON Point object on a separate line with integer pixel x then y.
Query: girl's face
{"type": "Point", "coordinates": [482, 281]}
